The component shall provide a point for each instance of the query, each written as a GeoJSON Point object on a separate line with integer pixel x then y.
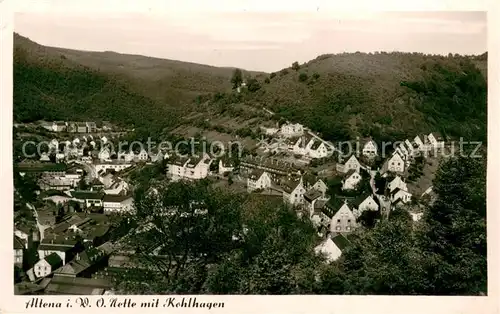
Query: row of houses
{"type": "Point", "coordinates": [72, 127]}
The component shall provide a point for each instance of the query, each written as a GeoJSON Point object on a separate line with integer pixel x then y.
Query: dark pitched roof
{"type": "Point", "coordinates": [61, 245]}
{"type": "Point", "coordinates": [115, 198]}
{"type": "Point", "coordinates": [340, 241]}
{"type": "Point", "coordinates": [312, 194]}
{"type": "Point", "coordinates": [358, 200]}
{"type": "Point", "coordinates": [19, 243]}
{"type": "Point", "coordinates": [289, 185]}
{"type": "Point", "coordinates": [84, 195]}
{"type": "Point", "coordinates": [53, 259]}
{"type": "Point", "coordinates": [316, 144]}
{"type": "Point", "coordinates": [41, 167]}
{"type": "Point", "coordinates": [255, 174]}
{"type": "Point", "coordinates": [349, 173]}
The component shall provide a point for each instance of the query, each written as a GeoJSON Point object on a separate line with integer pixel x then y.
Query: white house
{"type": "Point", "coordinates": [343, 220]}
{"type": "Point", "coordinates": [291, 130]}
{"type": "Point", "coordinates": [398, 194]}
{"type": "Point", "coordinates": [44, 157]}
{"type": "Point", "coordinates": [303, 145]}
{"type": "Point", "coordinates": [351, 164]}
{"type": "Point", "coordinates": [19, 246]}
{"type": "Point", "coordinates": [58, 126]}
{"type": "Point", "coordinates": [104, 154]}
{"type": "Point", "coordinates": [143, 155]}
{"type": "Point", "coordinates": [436, 140]}
{"type": "Point", "coordinates": [397, 182]}
{"type": "Point", "coordinates": [193, 168]}
{"type": "Point", "coordinates": [60, 157]}
{"type": "Point", "coordinates": [113, 165]}
{"type": "Point", "coordinates": [363, 203]}
{"type": "Point", "coordinates": [47, 265]}
{"type": "Point", "coordinates": [119, 187]}
{"type": "Point", "coordinates": [104, 140]}
{"type": "Point", "coordinates": [351, 179]}
{"type": "Point", "coordinates": [60, 247]}
{"type": "Point", "coordinates": [54, 145]}
{"type": "Point", "coordinates": [319, 185]}
{"type": "Point", "coordinates": [258, 179]}
{"type": "Point", "coordinates": [293, 191]}
{"type": "Point", "coordinates": [395, 163]}
{"type": "Point", "coordinates": [225, 166]}
{"type": "Point", "coordinates": [117, 203]}
{"type": "Point", "coordinates": [318, 150]}
{"type": "Point", "coordinates": [370, 149]}
{"type": "Point", "coordinates": [89, 198]}
{"type": "Point", "coordinates": [269, 131]}
{"type": "Point", "coordinates": [329, 249]}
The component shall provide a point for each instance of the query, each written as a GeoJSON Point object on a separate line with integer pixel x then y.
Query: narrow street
{"type": "Point", "coordinates": [41, 228]}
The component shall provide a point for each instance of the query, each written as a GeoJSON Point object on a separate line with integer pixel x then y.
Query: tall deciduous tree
{"type": "Point", "coordinates": [237, 78]}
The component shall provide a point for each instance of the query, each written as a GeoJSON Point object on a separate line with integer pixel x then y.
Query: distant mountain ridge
{"type": "Point", "coordinates": [383, 95]}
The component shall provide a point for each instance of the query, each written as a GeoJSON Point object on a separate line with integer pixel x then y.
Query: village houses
{"type": "Point", "coordinates": [117, 203]}
{"type": "Point", "coordinates": [47, 265]}
{"type": "Point", "coordinates": [364, 202]}
{"type": "Point", "coordinates": [351, 164]}
{"type": "Point", "coordinates": [189, 168]}
{"type": "Point", "coordinates": [258, 180]}
{"type": "Point", "coordinates": [343, 221]}
{"type": "Point", "coordinates": [370, 149]}
{"type": "Point", "coordinates": [351, 180]}
{"type": "Point", "coordinates": [291, 130]}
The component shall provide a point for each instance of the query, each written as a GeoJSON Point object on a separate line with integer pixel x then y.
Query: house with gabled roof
{"type": "Point", "coordinates": [143, 155]}
{"type": "Point", "coordinates": [117, 203]}
{"type": "Point", "coordinates": [59, 126]}
{"type": "Point", "coordinates": [351, 164]}
{"type": "Point", "coordinates": [436, 140]}
{"type": "Point", "coordinates": [343, 219]}
{"type": "Point", "coordinates": [290, 129]}
{"type": "Point", "coordinates": [89, 198]}
{"type": "Point", "coordinates": [363, 203]}
{"type": "Point", "coordinates": [225, 165]}
{"type": "Point", "coordinates": [311, 197]}
{"type": "Point", "coordinates": [318, 150]}
{"type": "Point", "coordinates": [62, 246]}
{"type": "Point", "coordinates": [397, 182]}
{"type": "Point", "coordinates": [369, 149]}
{"type": "Point", "coordinates": [47, 265]}
{"type": "Point", "coordinates": [351, 179]}
{"type": "Point", "coordinates": [293, 191]}
{"type": "Point", "coordinates": [400, 195]}
{"type": "Point", "coordinates": [83, 265]}
{"type": "Point", "coordinates": [303, 145]}
{"type": "Point", "coordinates": [258, 179]}
{"type": "Point", "coordinates": [394, 164]}
{"type": "Point", "coordinates": [104, 154]}
{"type": "Point", "coordinates": [20, 245]}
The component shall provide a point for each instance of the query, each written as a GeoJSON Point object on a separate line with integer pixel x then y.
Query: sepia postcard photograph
{"type": "Point", "coordinates": [194, 152]}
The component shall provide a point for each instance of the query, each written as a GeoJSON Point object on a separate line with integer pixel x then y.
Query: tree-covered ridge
{"type": "Point", "coordinates": [54, 91]}
{"type": "Point", "coordinates": [216, 242]}
{"type": "Point", "coordinates": [348, 95]}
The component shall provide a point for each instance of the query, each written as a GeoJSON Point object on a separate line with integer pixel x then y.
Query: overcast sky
{"type": "Point", "coordinates": [256, 40]}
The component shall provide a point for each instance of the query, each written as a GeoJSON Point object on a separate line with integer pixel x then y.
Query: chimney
{"type": "Point", "coordinates": [77, 256]}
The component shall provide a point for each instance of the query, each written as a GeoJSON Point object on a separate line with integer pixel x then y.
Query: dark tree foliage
{"type": "Point", "coordinates": [237, 78]}
{"type": "Point", "coordinates": [303, 77]}
{"type": "Point", "coordinates": [253, 85]}
{"type": "Point", "coordinates": [455, 98]}
{"type": "Point", "coordinates": [295, 66]}
{"type": "Point", "coordinates": [51, 91]}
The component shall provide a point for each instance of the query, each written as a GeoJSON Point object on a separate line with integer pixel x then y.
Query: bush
{"type": "Point", "coordinates": [315, 76]}
{"type": "Point", "coordinates": [283, 72]}
{"type": "Point", "coordinates": [272, 75]}
{"type": "Point", "coordinates": [253, 85]}
{"type": "Point", "coordinates": [295, 66]}
{"type": "Point", "coordinates": [267, 80]}
{"type": "Point", "coordinates": [303, 77]}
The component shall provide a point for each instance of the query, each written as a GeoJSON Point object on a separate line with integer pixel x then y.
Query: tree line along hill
{"type": "Point", "coordinates": [384, 95]}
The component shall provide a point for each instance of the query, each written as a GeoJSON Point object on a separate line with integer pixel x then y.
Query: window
{"type": "Point", "coordinates": [348, 220]}
{"type": "Point", "coordinates": [338, 228]}
{"type": "Point", "coordinates": [338, 220]}
{"type": "Point", "coordinates": [348, 228]}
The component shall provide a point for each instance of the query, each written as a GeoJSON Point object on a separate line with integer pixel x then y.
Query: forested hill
{"type": "Point", "coordinates": [55, 83]}
{"type": "Point", "coordinates": [382, 94]}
